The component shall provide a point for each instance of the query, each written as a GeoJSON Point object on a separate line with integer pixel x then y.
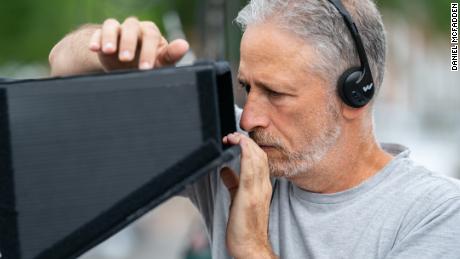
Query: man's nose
{"type": "Point", "coordinates": [254, 115]}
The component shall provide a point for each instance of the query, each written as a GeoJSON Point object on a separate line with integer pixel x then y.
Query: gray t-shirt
{"type": "Point", "coordinates": [404, 211]}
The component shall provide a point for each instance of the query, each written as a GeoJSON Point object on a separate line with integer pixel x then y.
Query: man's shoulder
{"type": "Point", "coordinates": [431, 183]}
{"type": "Point", "coordinates": [421, 188]}
{"type": "Point", "coordinates": [410, 179]}
{"type": "Point", "coordinates": [435, 186]}
{"type": "Point", "coordinates": [425, 207]}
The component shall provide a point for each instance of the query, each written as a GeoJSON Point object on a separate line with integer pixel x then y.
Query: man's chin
{"type": "Point", "coordinates": [278, 170]}
{"type": "Point", "coordinates": [282, 174]}
{"type": "Point", "coordinates": [276, 163]}
{"type": "Point", "coordinates": [285, 169]}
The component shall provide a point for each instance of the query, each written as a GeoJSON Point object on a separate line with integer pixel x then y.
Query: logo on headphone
{"type": "Point", "coordinates": [368, 87]}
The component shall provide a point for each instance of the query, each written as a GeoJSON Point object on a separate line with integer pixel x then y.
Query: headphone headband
{"type": "Point", "coordinates": [356, 85]}
{"type": "Point", "coordinates": [367, 74]}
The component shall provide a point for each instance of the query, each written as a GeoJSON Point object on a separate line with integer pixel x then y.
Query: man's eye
{"type": "Point", "coordinates": [246, 87]}
{"type": "Point", "coordinates": [274, 94]}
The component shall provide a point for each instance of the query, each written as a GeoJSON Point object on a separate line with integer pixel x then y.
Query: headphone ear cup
{"type": "Point", "coordinates": [348, 89]}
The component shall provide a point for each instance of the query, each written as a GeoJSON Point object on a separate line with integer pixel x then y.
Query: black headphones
{"type": "Point", "coordinates": [356, 85]}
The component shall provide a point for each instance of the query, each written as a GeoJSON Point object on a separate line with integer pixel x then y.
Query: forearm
{"type": "Point", "coordinates": [72, 56]}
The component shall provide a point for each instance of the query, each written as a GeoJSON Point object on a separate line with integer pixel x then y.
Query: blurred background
{"type": "Point", "coordinates": [418, 105]}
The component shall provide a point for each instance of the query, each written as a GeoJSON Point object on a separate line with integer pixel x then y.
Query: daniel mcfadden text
{"type": "Point", "coordinates": [454, 36]}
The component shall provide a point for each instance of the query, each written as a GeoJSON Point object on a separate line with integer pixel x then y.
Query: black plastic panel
{"type": "Point", "coordinates": [85, 154]}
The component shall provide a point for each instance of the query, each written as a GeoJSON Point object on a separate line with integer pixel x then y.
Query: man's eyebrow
{"type": "Point", "coordinates": [258, 83]}
{"type": "Point", "coordinates": [265, 85]}
{"type": "Point", "coordinates": [279, 87]}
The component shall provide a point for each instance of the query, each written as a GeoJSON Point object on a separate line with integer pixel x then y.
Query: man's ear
{"type": "Point", "coordinates": [350, 113]}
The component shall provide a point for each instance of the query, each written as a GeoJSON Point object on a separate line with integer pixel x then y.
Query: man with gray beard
{"type": "Point", "coordinates": [312, 182]}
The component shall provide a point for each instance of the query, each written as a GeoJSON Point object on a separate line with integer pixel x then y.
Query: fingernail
{"type": "Point", "coordinates": [126, 54]}
{"type": "Point", "coordinates": [109, 47]}
{"type": "Point", "coordinates": [145, 65]}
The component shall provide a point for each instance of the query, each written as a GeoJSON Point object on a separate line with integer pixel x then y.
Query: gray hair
{"type": "Point", "coordinates": [319, 23]}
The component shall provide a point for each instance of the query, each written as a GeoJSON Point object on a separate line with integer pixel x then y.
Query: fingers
{"type": "Point", "coordinates": [254, 189]}
{"type": "Point", "coordinates": [173, 52]}
{"type": "Point", "coordinates": [248, 146]}
{"type": "Point", "coordinates": [151, 41]}
{"type": "Point", "coordinates": [95, 41]}
{"type": "Point", "coordinates": [231, 180]}
{"type": "Point", "coordinates": [130, 31]}
{"type": "Point", "coordinates": [109, 34]}
{"type": "Point", "coordinates": [254, 161]}
{"type": "Point", "coordinates": [135, 43]}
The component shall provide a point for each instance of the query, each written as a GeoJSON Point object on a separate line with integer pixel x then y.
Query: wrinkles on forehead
{"type": "Point", "coordinates": [271, 54]}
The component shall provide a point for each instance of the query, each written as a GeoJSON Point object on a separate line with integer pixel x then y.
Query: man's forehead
{"type": "Point", "coordinates": [264, 48]}
{"type": "Point", "coordinates": [271, 36]}
{"type": "Point", "coordinates": [271, 47]}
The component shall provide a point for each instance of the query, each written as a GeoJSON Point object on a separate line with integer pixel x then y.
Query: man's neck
{"type": "Point", "coordinates": [345, 166]}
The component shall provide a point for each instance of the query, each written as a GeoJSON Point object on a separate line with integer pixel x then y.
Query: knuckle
{"type": "Point", "coordinates": [130, 27]}
{"type": "Point", "coordinates": [131, 19]}
{"type": "Point", "coordinates": [150, 33]}
{"type": "Point", "coordinates": [129, 35]}
{"type": "Point", "coordinates": [149, 25]}
{"type": "Point", "coordinates": [150, 30]}
{"type": "Point", "coordinates": [253, 203]}
{"type": "Point", "coordinates": [244, 144]}
{"type": "Point", "coordinates": [111, 22]}
{"type": "Point", "coordinates": [248, 182]}
{"type": "Point", "coordinates": [128, 44]}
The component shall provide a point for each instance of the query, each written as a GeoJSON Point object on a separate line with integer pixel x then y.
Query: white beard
{"type": "Point", "coordinates": [301, 162]}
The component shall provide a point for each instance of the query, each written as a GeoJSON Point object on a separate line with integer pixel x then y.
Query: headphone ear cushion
{"type": "Point", "coordinates": [346, 85]}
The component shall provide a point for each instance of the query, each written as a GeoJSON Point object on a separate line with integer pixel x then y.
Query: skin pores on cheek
{"type": "Point", "coordinates": [305, 137]}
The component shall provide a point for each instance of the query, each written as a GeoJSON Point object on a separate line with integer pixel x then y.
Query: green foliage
{"type": "Point", "coordinates": [30, 28]}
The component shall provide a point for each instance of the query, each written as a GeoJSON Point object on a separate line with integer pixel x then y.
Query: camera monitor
{"type": "Point", "coordinates": [82, 157]}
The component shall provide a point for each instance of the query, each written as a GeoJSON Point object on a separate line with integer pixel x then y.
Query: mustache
{"type": "Point", "coordinates": [265, 139]}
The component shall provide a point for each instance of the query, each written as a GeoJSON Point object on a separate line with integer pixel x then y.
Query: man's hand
{"type": "Point", "coordinates": [247, 227]}
{"type": "Point", "coordinates": [132, 44]}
